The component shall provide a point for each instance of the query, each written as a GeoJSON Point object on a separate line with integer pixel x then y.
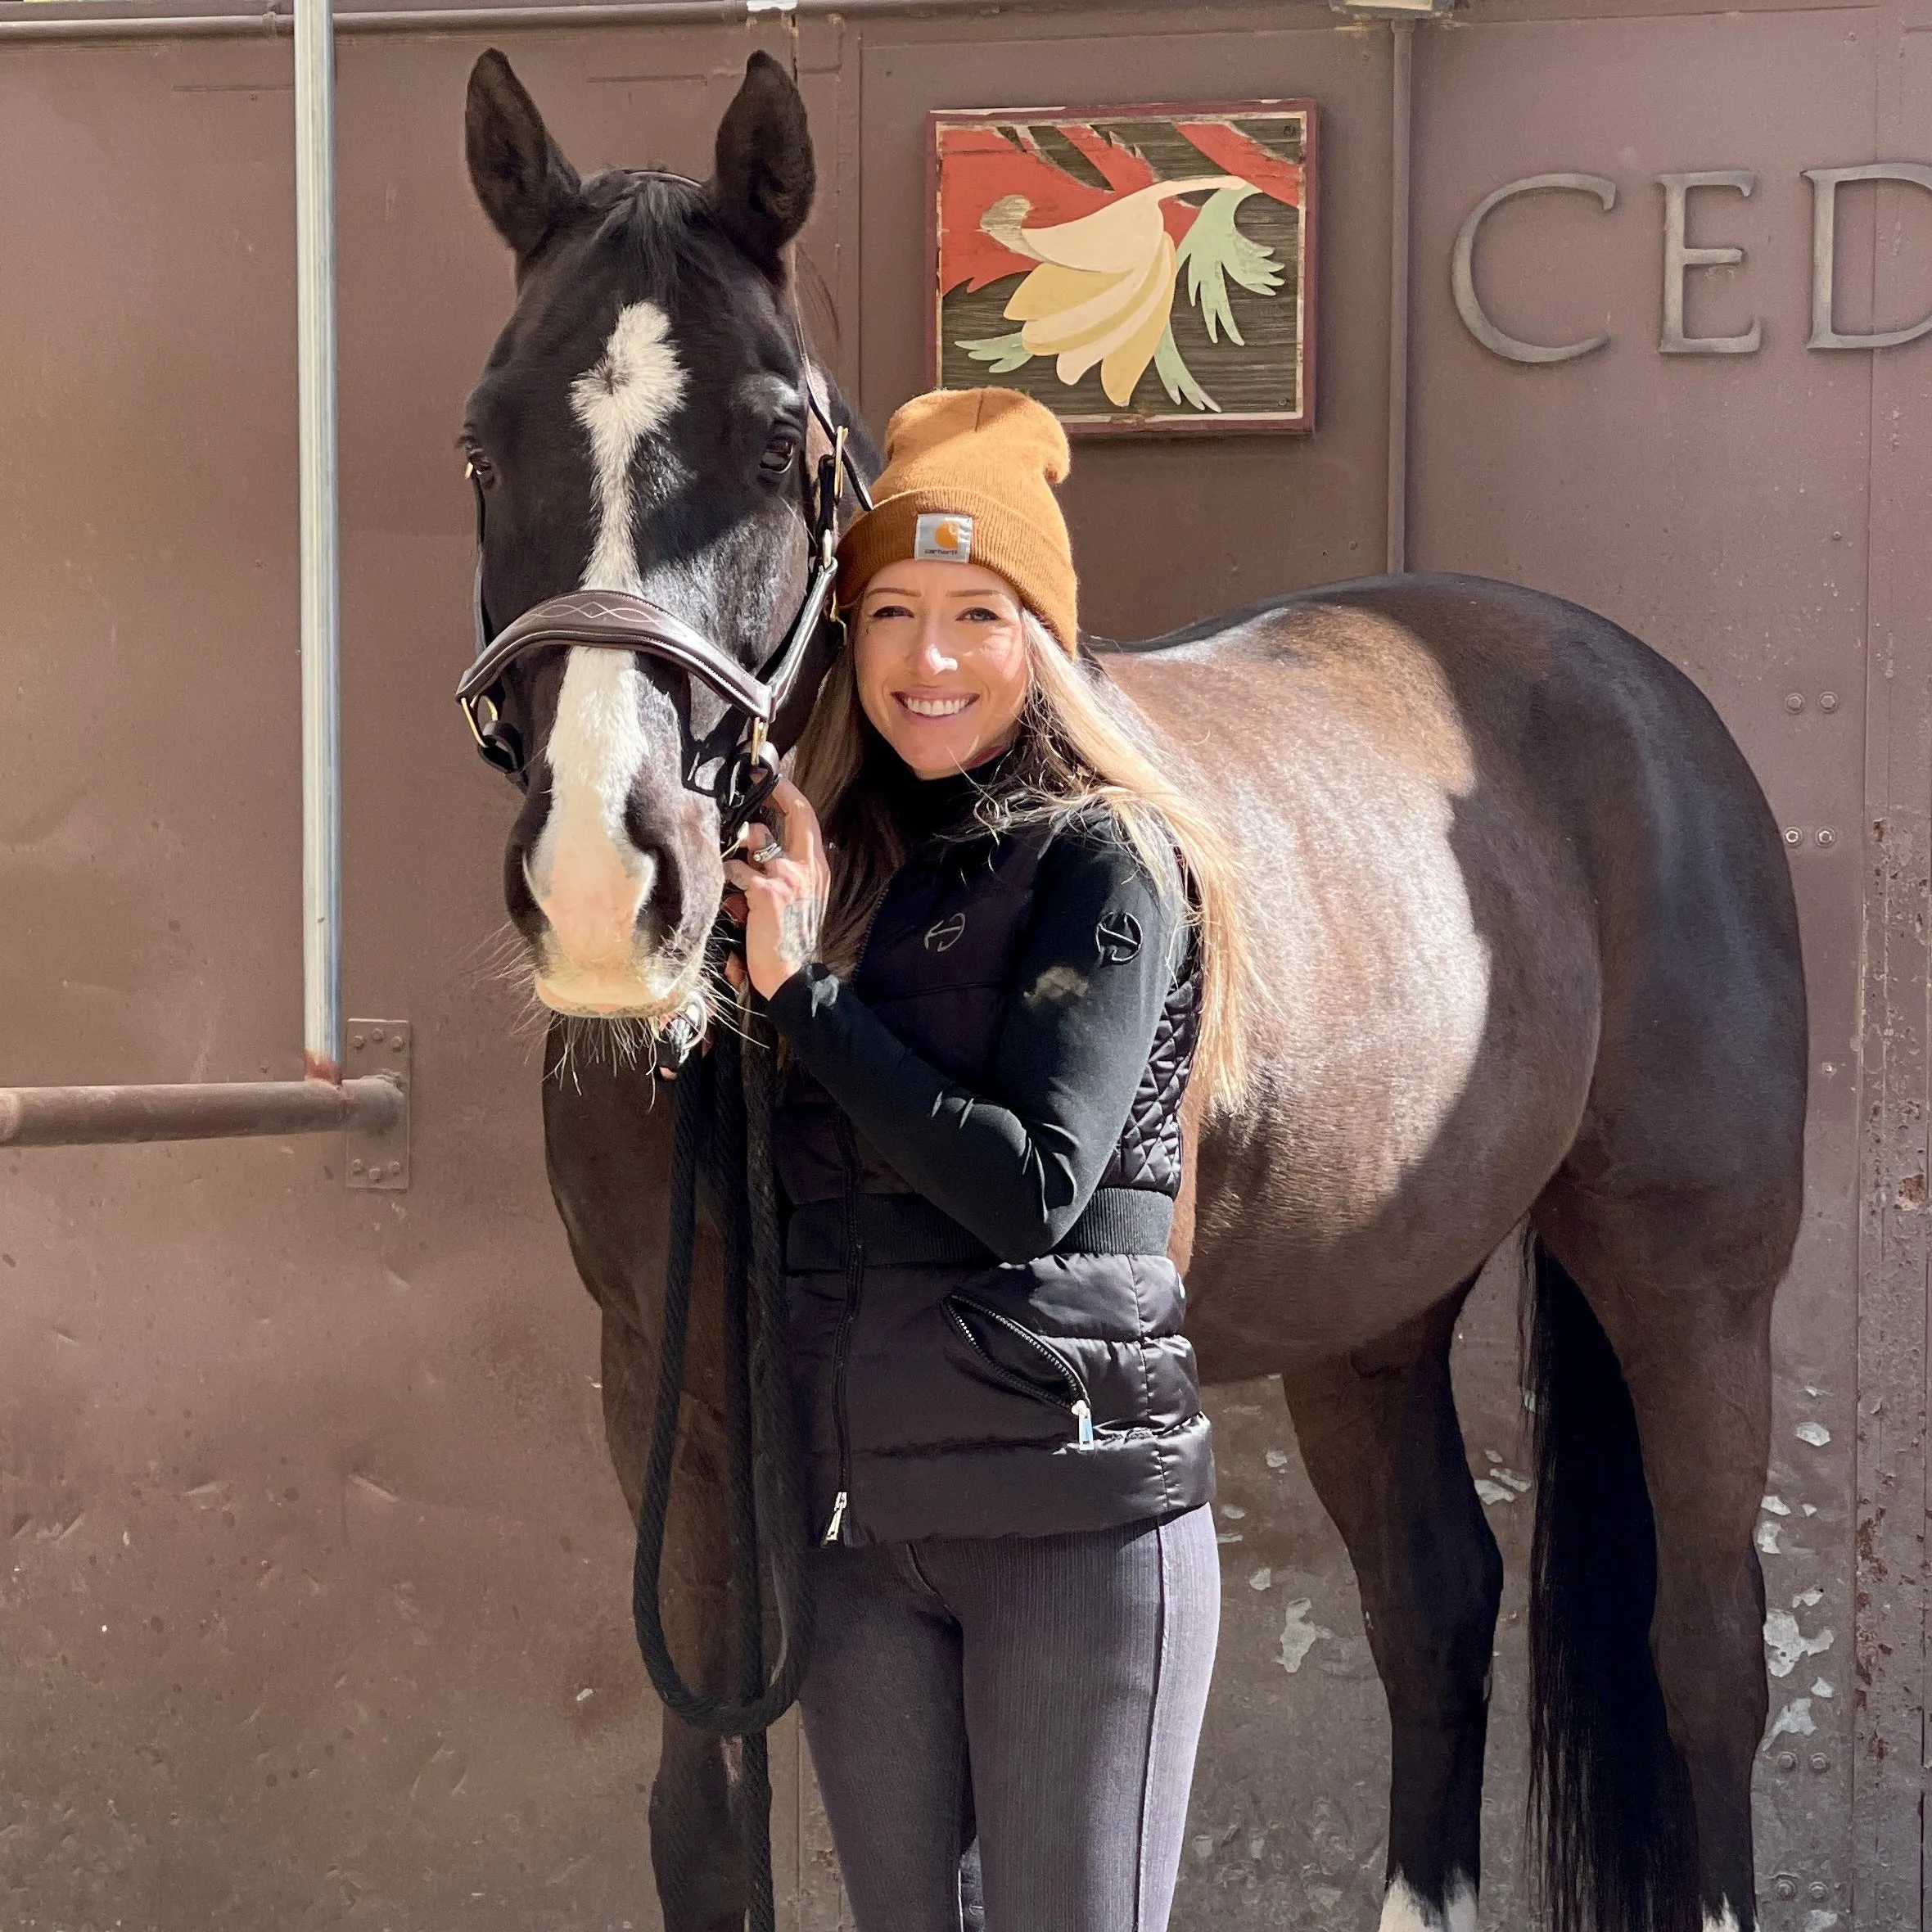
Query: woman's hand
{"type": "Point", "coordinates": [785, 894]}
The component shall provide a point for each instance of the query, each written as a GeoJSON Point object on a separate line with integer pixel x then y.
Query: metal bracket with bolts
{"type": "Point", "coordinates": [378, 1158]}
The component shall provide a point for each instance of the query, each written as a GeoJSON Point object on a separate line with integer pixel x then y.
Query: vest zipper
{"type": "Point", "coordinates": [854, 1246]}
{"type": "Point", "coordinates": [848, 1148]}
{"type": "Point", "coordinates": [1079, 1404]}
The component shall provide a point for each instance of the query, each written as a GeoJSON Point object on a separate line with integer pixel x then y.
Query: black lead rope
{"type": "Point", "coordinates": [722, 1145]}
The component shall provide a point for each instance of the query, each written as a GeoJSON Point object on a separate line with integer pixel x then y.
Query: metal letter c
{"type": "Point", "coordinates": [1463, 274]}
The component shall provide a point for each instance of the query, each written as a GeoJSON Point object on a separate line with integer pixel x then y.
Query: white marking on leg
{"type": "Point", "coordinates": [583, 870]}
{"type": "Point", "coordinates": [1404, 1909]}
{"type": "Point", "coordinates": [1727, 1920]}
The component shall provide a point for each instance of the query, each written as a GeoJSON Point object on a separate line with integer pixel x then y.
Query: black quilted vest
{"type": "Point", "coordinates": [944, 1392]}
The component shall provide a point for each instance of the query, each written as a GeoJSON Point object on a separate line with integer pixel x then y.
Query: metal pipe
{"type": "Point", "coordinates": [96, 1115]}
{"type": "Point", "coordinates": [272, 23]}
{"type": "Point", "coordinates": [322, 672]}
{"type": "Point", "coordinates": [1401, 107]}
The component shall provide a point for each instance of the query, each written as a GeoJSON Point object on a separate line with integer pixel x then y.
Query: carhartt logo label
{"type": "Point", "coordinates": [1118, 937]}
{"type": "Point", "coordinates": [943, 934]}
{"type": "Point", "coordinates": [942, 539]}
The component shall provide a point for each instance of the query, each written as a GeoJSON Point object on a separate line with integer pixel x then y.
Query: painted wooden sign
{"type": "Point", "coordinates": [1134, 268]}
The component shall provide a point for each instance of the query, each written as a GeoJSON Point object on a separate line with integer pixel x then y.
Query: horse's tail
{"type": "Point", "coordinates": [1609, 1802]}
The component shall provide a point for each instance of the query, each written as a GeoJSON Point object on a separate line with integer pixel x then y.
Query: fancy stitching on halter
{"type": "Point", "coordinates": [609, 620]}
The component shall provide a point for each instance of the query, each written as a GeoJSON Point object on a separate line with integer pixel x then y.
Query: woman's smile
{"type": "Point", "coordinates": [940, 659]}
{"type": "Point", "coordinates": [921, 705]}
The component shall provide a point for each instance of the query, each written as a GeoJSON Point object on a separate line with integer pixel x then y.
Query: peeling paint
{"type": "Point", "coordinates": [1788, 1646]}
{"type": "Point", "coordinates": [1262, 1579]}
{"type": "Point", "coordinates": [1822, 1689]}
{"type": "Point", "coordinates": [1767, 1539]}
{"type": "Point", "coordinates": [1298, 1636]}
{"type": "Point", "coordinates": [1794, 1720]}
{"type": "Point", "coordinates": [1814, 1432]}
{"type": "Point", "coordinates": [1276, 1458]}
{"type": "Point", "coordinates": [1807, 1599]}
{"type": "Point", "coordinates": [1776, 1505]}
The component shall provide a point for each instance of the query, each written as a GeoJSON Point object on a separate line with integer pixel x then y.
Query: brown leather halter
{"type": "Point", "coordinates": [614, 620]}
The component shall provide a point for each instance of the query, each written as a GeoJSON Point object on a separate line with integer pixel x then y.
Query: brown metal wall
{"type": "Point", "coordinates": [345, 1449]}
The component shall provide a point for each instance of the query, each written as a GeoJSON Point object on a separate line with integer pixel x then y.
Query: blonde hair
{"type": "Point", "coordinates": [1082, 743]}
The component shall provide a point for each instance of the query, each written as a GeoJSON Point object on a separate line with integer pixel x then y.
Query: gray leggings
{"type": "Point", "coordinates": [1046, 1692]}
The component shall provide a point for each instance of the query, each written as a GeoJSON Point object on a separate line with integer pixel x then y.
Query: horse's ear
{"type": "Point", "coordinates": [763, 179]}
{"type": "Point", "coordinates": [518, 172]}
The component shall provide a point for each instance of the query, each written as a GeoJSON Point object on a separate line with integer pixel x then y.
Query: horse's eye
{"type": "Point", "coordinates": [779, 453]}
{"type": "Point", "coordinates": [476, 463]}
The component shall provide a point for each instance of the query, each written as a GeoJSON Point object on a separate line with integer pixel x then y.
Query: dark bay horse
{"type": "Point", "coordinates": [1531, 960]}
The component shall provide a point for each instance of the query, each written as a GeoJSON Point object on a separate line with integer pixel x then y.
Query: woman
{"type": "Point", "coordinates": [992, 973]}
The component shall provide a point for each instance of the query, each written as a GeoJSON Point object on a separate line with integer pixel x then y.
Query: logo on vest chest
{"type": "Point", "coordinates": [1118, 937]}
{"type": "Point", "coordinates": [943, 935]}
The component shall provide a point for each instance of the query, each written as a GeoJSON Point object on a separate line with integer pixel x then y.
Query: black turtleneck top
{"type": "Point", "coordinates": [1014, 1165]}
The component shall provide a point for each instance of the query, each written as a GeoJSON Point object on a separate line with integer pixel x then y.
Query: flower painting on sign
{"type": "Point", "coordinates": [1132, 268]}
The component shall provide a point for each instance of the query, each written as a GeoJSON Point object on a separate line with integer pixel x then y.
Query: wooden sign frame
{"type": "Point", "coordinates": [1087, 255]}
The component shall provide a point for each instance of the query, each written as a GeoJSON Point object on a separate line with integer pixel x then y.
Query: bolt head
{"type": "Point", "coordinates": [355, 1040]}
{"type": "Point", "coordinates": [1793, 836]}
{"type": "Point", "coordinates": [395, 1042]}
{"type": "Point", "coordinates": [1819, 1892]}
{"type": "Point", "coordinates": [1794, 701]}
{"type": "Point", "coordinates": [1827, 837]}
{"type": "Point", "coordinates": [1828, 701]}
{"type": "Point", "coordinates": [1787, 1761]}
{"type": "Point", "coordinates": [1785, 1888]}
{"type": "Point", "coordinates": [1820, 1762]}
{"type": "Point", "coordinates": [395, 1169]}
{"type": "Point", "coordinates": [355, 1166]}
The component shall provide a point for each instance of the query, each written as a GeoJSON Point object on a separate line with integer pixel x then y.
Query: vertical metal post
{"type": "Point", "coordinates": [1402, 38]}
{"type": "Point", "coordinates": [322, 693]}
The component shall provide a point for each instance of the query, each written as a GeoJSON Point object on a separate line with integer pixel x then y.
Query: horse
{"type": "Point", "coordinates": [1530, 973]}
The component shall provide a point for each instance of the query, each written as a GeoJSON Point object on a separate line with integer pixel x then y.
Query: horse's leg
{"type": "Point", "coordinates": [695, 1847]}
{"type": "Point", "coordinates": [1681, 1284]}
{"type": "Point", "coordinates": [1379, 1435]}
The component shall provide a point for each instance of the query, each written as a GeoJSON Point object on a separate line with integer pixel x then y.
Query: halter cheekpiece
{"type": "Point", "coordinates": [615, 620]}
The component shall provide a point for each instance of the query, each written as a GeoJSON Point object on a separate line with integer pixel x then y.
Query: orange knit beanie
{"type": "Point", "coordinates": [968, 480]}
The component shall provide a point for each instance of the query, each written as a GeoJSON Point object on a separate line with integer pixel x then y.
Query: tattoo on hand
{"type": "Point", "coordinates": [799, 926]}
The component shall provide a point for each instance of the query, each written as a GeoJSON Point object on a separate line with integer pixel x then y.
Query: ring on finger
{"type": "Point", "coordinates": [770, 850]}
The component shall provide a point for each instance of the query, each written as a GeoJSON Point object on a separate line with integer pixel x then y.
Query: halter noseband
{"type": "Point", "coordinates": [615, 620]}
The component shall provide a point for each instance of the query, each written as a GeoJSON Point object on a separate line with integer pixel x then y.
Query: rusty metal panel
{"type": "Point", "coordinates": [1890, 1760]}
{"type": "Point", "coordinates": [1721, 506]}
{"type": "Point", "coordinates": [314, 1602]}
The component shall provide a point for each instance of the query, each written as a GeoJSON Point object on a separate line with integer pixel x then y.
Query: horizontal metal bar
{"type": "Point", "coordinates": [275, 24]}
{"type": "Point", "coordinates": [99, 1115]}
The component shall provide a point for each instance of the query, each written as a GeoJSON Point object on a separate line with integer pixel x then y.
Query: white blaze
{"type": "Point", "coordinates": [584, 872]}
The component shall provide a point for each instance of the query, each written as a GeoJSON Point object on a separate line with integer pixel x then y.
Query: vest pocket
{"type": "Point", "coordinates": [1031, 1366]}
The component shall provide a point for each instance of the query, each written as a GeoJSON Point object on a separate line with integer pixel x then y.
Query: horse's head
{"type": "Point", "coordinates": [641, 426]}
